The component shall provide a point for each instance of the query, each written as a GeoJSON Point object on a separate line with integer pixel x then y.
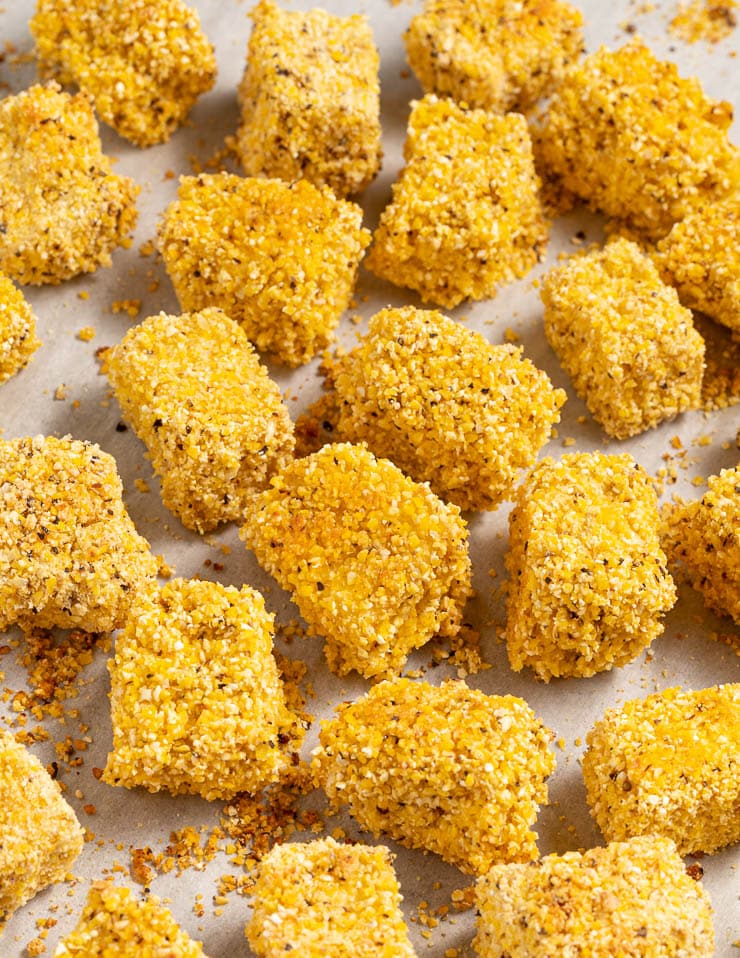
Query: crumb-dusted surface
{"type": "Point", "coordinates": [637, 141]}
{"type": "Point", "coordinates": [279, 258]}
{"type": "Point", "coordinates": [197, 704]}
{"type": "Point", "coordinates": [668, 765]}
{"type": "Point", "coordinates": [376, 563]}
{"type": "Point", "coordinates": [323, 898]}
{"type": "Point", "coordinates": [18, 339]}
{"type": "Point", "coordinates": [62, 210]}
{"type": "Point", "coordinates": [498, 55]}
{"type": "Point", "coordinates": [465, 213]}
{"type": "Point", "coordinates": [213, 421]}
{"type": "Point", "coordinates": [310, 99]}
{"type": "Point", "coordinates": [40, 836]}
{"type": "Point", "coordinates": [143, 63]}
{"type": "Point", "coordinates": [72, 557]}
{"type": "Point", "coordinates": [633, 899]}
{"type": "Point", "coordinates": [589, 582]}
{"type": "Point", "coordinates": [445, 768]}
{"type": "Point", "coordinates": [445, 405]}
{"type": "Point", "coordinates": [624, 338]}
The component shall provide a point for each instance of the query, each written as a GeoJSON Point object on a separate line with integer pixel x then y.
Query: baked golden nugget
{"type": "Point", "coordinates": [18, 340]}
{"type": "Point", "coordinates": [72, 557]}
{"type": "Point", "coordinates": [279, 258]}
{"type": "Point", "coordinates": [310, 99]}
{"type": "Point", "coordinates": [588, 579]}
{"type": "Point", "coordinates": [668, 765]}
{"type": "Point", "coordinates": [624, 338]}
{"type": "Point", "coordinates": [197, 704]}
{"type": "Point", "coordinates": [444, 768]}
{"type": "Point", "coordinates": [40, 836]}
{"type": "Point", "coordinates": [212, 419]}
{"type": "Point", "coordinates": [498, 55]}
{"type": "Point", "coordinates": [632, 898]}
{"type": "Point", "coordinates": [375, 562]}
{"type": "Point", "coordinates": [444, 404]}
{"type": "Point", "coordinates": [62, 210]}
{"type": "Point", "coordinates": [465, 213]}
{"type": "Point", "coordinates": [322, 898]}
{"type": "Point", "coordinates": [144, 63]}
{"type": "Point", "coordinates": [635, 140]}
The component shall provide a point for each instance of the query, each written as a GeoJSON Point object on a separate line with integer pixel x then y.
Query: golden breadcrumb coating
{"type": "Point", "coordinates": [18, 340]}
{"type": "Point", "coordinates": [445, 768]}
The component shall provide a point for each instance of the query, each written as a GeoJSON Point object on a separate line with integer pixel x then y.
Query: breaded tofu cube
{"type": "Point", "coordinates": [465, 214]}
{"type": "Point", "coordinates": [444, 768]}
{"type": "Point", "coordinates": [18, 340]}
{"type": "Point", "coordinates": [40, 836]}
{"type": "Point", "coordinates": [213, 421]}
{"type": "Point", "coordinates": [144, 64]}
{"type": "Point", "coordinates": [310, 99]}
{"type": "Point", "coordinates": [588, 579]}
{"type": "Point", "coordinates": [62, 211]}
{"type": "Point", "coordinates": [668, 765]}
{"type": "Point", "coordinates": [114, 923]}
{"type": "Point", "coordinates": [197, 704]}
{"type": "Point", "coordinates": [498, 55]}
{"type": "Point", "coordinates": [375, 562]}
{"type": "Point", "coordinates": [445, 405]}
{"type": "Point", "coordinates": [72, 557]}
{"type": "Point", "coordinates": [323, 898]}
{"type": "Point", "coordinates": [623, 337]}
{"type": "Point", "coordinates": [632, 138]}
{"type": "Point", "coordinates": [281, 259]}
{"type": "Point", "coordinates": [631, 898]}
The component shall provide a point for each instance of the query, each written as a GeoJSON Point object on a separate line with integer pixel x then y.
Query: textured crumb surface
{"type": "Point", "coordinates": [323, 898]}
{"type": "Point", "coordinates": [445, 768]}
{"type": "Point", "coordinates": [668, 765]}
{"type": "Point", "coordinates": [310, 99]}
{"type": "Point", "coordinates": [143, 63]}
{"type": "Point", "coordinates": [281, 259]}
{"type": "Point", "coordinates": [197, 704]}
{"type": "Point", "coordinates": [18, 340]}
{"type": "Point", "coordinates": [213, 421]}
{"type": "Point", "coordinates": [589, 582]}
{"type": "Point", "coordinates": [72, 557]}
{"type": "Point", "coordinates": [633, 899]}
{"type": "Point", "coordinates": [624, 338]}
{"type": "Point", "coordinates": [376, 563]}
{"type": "Point", "coordinates": [40, 836]}
{"type": "Point", "coordinates": [465, 213]}
{"type": "Point", "coordinates": [62, 210]}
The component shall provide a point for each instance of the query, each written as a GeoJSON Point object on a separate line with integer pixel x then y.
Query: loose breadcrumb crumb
{"type": "Point", "coordinates": [710, 20]}
{"type": "Point", "coordinates": [18, 340]}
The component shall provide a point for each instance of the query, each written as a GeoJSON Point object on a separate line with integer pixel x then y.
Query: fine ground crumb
{"type": "Point", "coordinates": [710, 20]}
{"type": "Point", "coordinates": [18, 340]}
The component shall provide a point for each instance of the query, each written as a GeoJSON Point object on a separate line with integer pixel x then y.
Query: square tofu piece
{"type": "Point", "coordinates": [213, 421]}
{"type": "Point", "coordinates": [443, 768]}
{"type": "Point", "coordinates": [40, 836]}
{"type": "Point", "coordinates": [73, 558]}
{"type": "Point", "coordinates": [197, 704]}
{"type": "Point", "coordinates": [376, 563]}
{"type": "Point", "coordinates": [62, 211]}
{"type": "Point", "coordinates": [322, 898]}
{"type": "Point", "coordinates": [624, 338]}
{"type": "Point", "coordinates": [310, 99]}
{"type": "Point", "coordinates": [18, 340]}
{"type": "Point", "coordinates": [589, 582]}
{"type": "Point", "coordinates": [281, 259]}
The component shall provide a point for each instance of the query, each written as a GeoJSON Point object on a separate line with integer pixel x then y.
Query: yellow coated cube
{"type": "Point", "coordinates": [18, 340]}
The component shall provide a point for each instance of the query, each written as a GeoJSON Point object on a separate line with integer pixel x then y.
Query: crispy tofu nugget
{"type": "Point", "coordinates": [445, 768]}
{"type": "Point", "coordinates": [281, 259]}
{"type": "Point", "coordinates": [18, 340]}
{"type": "Point", "coordinates": [73, 558]}
{"type": "Point", "coordinates": [322, 898]}
{"type": "Point", "coordinates": [40, 836]}
{"type": "Point", "coordinates": [144, 63]}
{"type": "Point", "coordinates": [634, 899]}
{"type": "Point", "coordinates": [62, 211]}
{"type": "Point", "coordinates": [668, 765]}
{"type": "Point", "coordinates": [310, 99]}
{"type": "Point", "coordinates": [498, 55]}
{"type": "Point", "coordinates": [465, 213]}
